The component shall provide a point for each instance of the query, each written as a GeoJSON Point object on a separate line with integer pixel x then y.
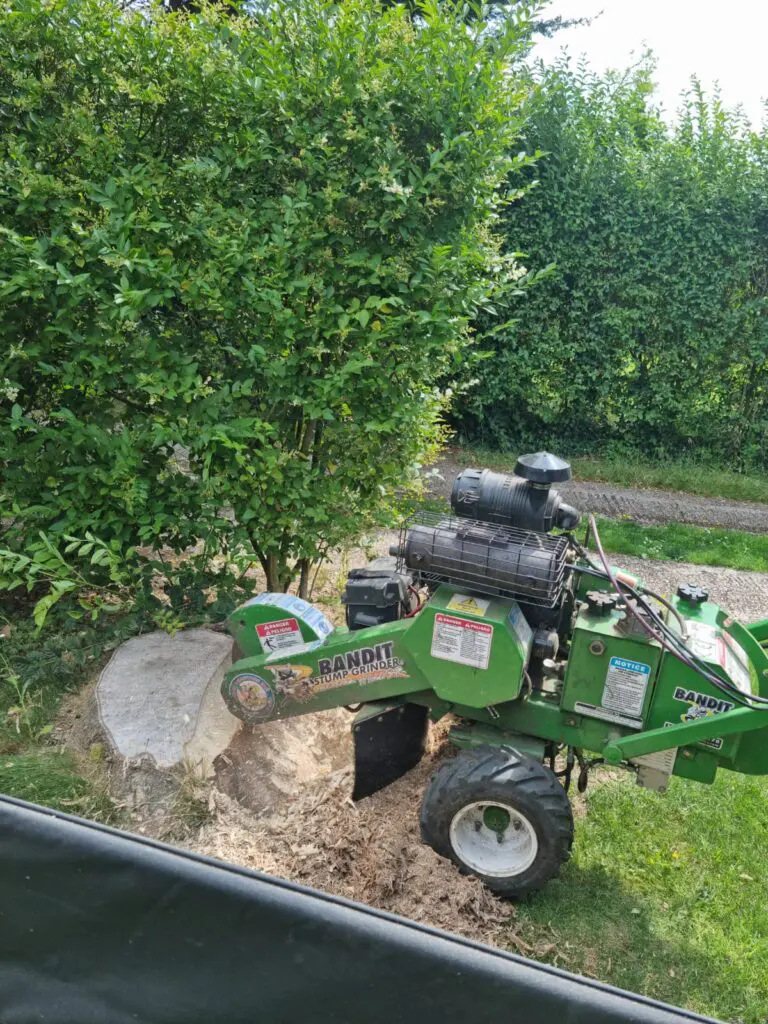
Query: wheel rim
{"type": "Point", "coordinates": [493, 839]}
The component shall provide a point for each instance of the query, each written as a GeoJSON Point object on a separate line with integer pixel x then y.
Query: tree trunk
{"type": "Point", "coordinates": [273, 575]}
{"type": "Point", "coordinates": [305, 565]}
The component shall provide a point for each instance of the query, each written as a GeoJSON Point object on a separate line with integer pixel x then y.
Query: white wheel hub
{"type": "Point", "coordinates": [493, 839]}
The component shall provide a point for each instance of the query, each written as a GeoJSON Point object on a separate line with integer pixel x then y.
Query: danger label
{"type": "Point", "coordinates": [625, 685]}
{"type": "Point", "coordinates": [702, 639]}
{"type": "Point", "coordinates": [279, 636]}
{"type": "Point", "coordinates": [720, 648]}
{"type": "Point", "coordinates": [462, 640]}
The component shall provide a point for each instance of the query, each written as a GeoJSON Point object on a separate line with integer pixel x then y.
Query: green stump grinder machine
{"type": "Point", "coordinates": [547, 659]}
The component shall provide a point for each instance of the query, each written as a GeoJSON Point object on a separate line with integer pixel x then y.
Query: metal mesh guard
{"type": "Point", "coordinates": [499, 561]}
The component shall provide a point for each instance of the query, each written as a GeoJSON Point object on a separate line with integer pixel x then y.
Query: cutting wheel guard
{"type": "Point", "coordinates": [389, 740]}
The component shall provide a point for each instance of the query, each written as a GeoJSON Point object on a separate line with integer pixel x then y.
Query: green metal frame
{"type": "Point", "coordinates": [740, 720]}
{"type": "Point", "coordinates": [759, 631]}
{"type": "Point", "coordinates": [400, 662]}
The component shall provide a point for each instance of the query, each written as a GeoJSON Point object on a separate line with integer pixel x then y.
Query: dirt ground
{"type": "Point", "coordinates": [370, 852]}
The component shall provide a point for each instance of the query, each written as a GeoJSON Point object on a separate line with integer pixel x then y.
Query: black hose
{"type": "Point", "coordinates": [663, 635]}
{"type": "Point", "coordinates": [667, 604]}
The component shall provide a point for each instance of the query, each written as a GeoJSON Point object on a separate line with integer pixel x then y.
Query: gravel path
{"type": "Point", "coordinates": [744, 594]}
{"type": "Point", "coordinates": [665, 506]}
{"type": "Point", "coordinates": [643, 506]}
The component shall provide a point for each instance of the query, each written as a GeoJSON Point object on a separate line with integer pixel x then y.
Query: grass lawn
{"type": "Point", "coordinates": [666, 895]}
{"type": "Point", "coordinates": [54, 779]}
{"type": "Point", "coordinates": [633, 471]}
{"type": "Point", "coordinates": [677, 542]}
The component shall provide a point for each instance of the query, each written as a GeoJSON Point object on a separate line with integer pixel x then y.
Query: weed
{"type": "Point", "coordinates": [191, 808]}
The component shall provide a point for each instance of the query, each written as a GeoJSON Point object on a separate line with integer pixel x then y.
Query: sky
{"type": "Point", "coordinates": [715, 41]}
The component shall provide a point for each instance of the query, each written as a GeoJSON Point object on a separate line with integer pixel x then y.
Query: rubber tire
{"type": "Point", "coordinates": [506, 775]}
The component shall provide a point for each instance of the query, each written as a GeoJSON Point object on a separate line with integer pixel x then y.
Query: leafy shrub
{"type": "Point", "coordinates": [238, 256]}
{"type": "Point", "coordinates": [652, 334]}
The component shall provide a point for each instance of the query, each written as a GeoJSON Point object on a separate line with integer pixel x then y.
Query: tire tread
{"type": "Point", "coordinates": [491, 772]}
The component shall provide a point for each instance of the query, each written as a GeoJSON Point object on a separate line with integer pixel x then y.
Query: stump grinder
{"type": "Point", "coordinates": [548, 660]}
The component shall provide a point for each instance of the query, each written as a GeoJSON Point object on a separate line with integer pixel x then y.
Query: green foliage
{"type": "Point", "coordinates": [652, 334]}
{"type": "Point", "coordinates": [238, 257]}
{"type": "Point", "coordinates": [469, 12]}
{"type": "Point", "coordinates": [99, 579]}
{"type": "Point", "coordinates": [44, 566]}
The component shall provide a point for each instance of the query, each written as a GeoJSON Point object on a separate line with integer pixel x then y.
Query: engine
{"type": "Point", "coordinates": [497, 542]}
{"type": "Point", "coordinates": [496, 560]}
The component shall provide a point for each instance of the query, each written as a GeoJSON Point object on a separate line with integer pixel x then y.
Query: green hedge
{"type": "Point", "coordinates": [651, 334]}
{"type": "Point", "coordinates": [260, 238]}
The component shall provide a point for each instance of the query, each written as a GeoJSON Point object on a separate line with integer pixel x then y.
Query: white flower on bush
{"type": "Point", "coordinates": [8, 390]}
{"type": "Point", "coordinates": [397, 189]}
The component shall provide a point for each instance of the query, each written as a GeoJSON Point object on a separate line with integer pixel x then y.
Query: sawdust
{"type": "Point", "coordinates": [370, 852]}
{"type": "Point", "coordinates": [265, 765]}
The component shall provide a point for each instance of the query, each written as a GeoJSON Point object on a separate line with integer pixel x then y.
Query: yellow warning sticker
{"type": "Point", "coordinates": [468, 604]}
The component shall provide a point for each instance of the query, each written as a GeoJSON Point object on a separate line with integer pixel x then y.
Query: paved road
{"type": "Point", "coordinates": [643, 506]}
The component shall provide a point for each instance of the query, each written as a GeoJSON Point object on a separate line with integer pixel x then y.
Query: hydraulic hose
{"type": "Point", "coordinates": [659, 630]}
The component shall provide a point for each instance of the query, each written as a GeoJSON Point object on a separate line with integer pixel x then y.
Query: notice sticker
{"type": "Point", "coordinates": [625, 685]}
{"type": "Point", "coordinates": [462, 640]}
{"type": "Point", "coordinates": [281, 636]}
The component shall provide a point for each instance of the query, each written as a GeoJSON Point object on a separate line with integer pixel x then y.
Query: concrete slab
{"type": "Point", "coordinates": [159, 697]}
